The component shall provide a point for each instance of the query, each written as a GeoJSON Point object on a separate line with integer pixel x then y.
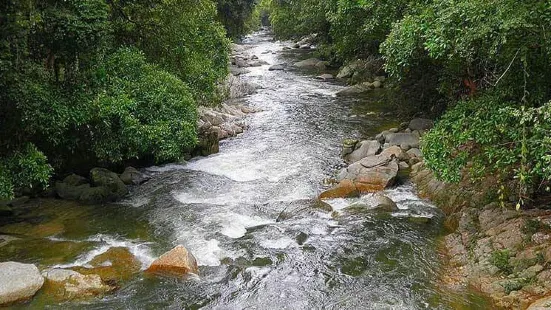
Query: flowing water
{"type": "Point", "coordinates": [249, 215]}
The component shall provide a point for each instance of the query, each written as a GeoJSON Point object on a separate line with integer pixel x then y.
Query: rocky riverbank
{"type": "Point", "coordinates": [502, 253]}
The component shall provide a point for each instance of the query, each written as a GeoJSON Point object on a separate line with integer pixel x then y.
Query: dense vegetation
{"type": "Point", "coordinates": [486, 65]}
{"type": "Point", "coordinates": [87, 82]}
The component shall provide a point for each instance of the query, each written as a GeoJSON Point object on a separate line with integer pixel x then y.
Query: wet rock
{"type": "Point", "coordinates": [112, 186]}
{"type": "Point", "coordinates": [278, 67]}
{"type": "Point", "coordinates": [402, 138]}
{"type": "Point", "coordinates": [420, 124]}
{"type": "Point", "coordinates": [18, 281]}
{"type": "Point", "coordinates": [70, 192]}
{"type": "Point", "coordinates": [367, 148]}
{"type": "Point", "coordinates": [63, 284]}
{"type": "Point", "coordinates": [132, 176]}
{"type": "Point", "coordinates": [75, 180]}
{"type": "Point", "coordinates": [236, 71]}
{"type": "Point", "coordinates": [394, 152]}
{"type": "Point", "coordinates": [345, 189]}
{"type": "Point", "coordinates": [325, 77]}
{"type": "Point", "coordinates": [371, 174]}
{"type": "Point", "coordinates": [383, 203]}
{"type": "Point", "coordinates": [176, 262]}
{"type": "Point", "coordinates": [353, 90]}
{"type": "Point", "coordinates": [348, 146]}
{"type": "Point", "coordinates": [113, 266]}
{"type": "Point", "coordinates": [301, 238]}
{"type": "Point", "coordinates": [312, 63]}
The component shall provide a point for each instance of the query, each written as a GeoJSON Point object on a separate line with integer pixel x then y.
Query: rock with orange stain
{"type": "Point", "coordinates": [113, 266]}
{"type": "Point", "coordinates": [176, 262]}
{"type": "Point", "coordinates": [345, 189]}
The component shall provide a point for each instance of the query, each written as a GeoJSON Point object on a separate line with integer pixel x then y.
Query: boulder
{"type": "Point", "coordinates": [367, 148]}
{"type": "Point", "coordinates": [403, 165]}
{"type": "Point", "coordinates": [383, 203]}
{"type": "Point", "coordinates": [70, 192]}
{"type": "Point", "coordinates": [64, 284]}
{"type": "Point", "coordinates": [310, 63]}
{"type": "Point", "coordinates": [75, 180]}
{"type": "Point", "coordinates": [131, 176]}
{"type": "Point", "coordinates": [348, 70]}
{"type": "Point", "coordinates": [110, 182]}
{"type": "Point", "coordinates": [377, 84]}
{"type": "Point", "coordinates": [345, 189]}
{"type": "Point", "coordinates": [402, 138]}
{"type": "Point", "coordinates": [278, 67]}
{"type": "Point", "coordinates": [348, 146]}
{"type": "Point", "coordinates": [415, 152]}
{"type": "Point", "coordinates": [325, 77]}
{"type": "Point", "coordinates": [115, 265]}
{"type": "Point", "coordinates": [18, 281]}
{"type": "Point", "coordinates": [353, 90]}
{"type": "Point", "coordinates": [176, 262]}
{"type": "Point", "coordinates": [420, 124]}
{"type": "Point", "coordinates": [541, 304]}
{"type": "Point", "coordinates": [372, 174]}
{"type": "Point", "coordinates": [395, 151]}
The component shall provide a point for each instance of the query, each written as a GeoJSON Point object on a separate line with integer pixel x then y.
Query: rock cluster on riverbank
{"type": "Point", "coordinates": [375, 164]}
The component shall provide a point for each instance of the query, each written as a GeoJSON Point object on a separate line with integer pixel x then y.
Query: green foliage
{"type": "Point", "coordinates": [181, 36]}
{"type": "Point", "coordinates": [88, 82]}
{"type": "Point", "coordinates": [25, 168]}
{"type": "Point", "coordinates": [143, 112]}
{"type": "Point", "coordinates": [500, 259]}
{"type": "Point", "coordinates": [494, 137]}
{"type": "Point", "coordinates": [238, 16]}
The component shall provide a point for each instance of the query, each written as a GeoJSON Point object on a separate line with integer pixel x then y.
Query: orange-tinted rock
{"type": "Point", "coordinates": [116, 264]}
{"type": "Point", "coordinates": [345, 189]}
{"type": "Point", "coordinates": [176, 262]}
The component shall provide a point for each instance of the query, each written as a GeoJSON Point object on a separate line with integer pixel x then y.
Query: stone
{"type": "Point", "coordinates": [308, 63]}
{"type": "Point", "coordinates": [377, 84]}
{"type": "Point", "coordinates": [383, 203]}
{"type": "Point", "coordinates": [394, 151]}
{"type": "Point", "coordinates": [348, 70]}
{"type": "Point", "coordinates": [115, 265]}
{"type": "Point", "coordinates": [367, 148]}
{"type": "Point", "coordinates": [372, 174]}
{"type": "Point", "coordinates": [345, 189]}
{"type": "Point", "coordinates": [415, 152]}
{"type": "Point", "coordinates": [348, 146]}
{"type": "Point", "coordinates": [110, 182]}
{"type": "Point", "coordinates": [401, 138]}
{"type": "Point", "coordinates": [18, 282]}
{"type": "Point", "coordinates": [236, 71]}
{"type": "Point", "coordinates": [75, 180]}
{"type": "Point", "coordinates": [403, 165]}
{"type": "Point", "coordinates": [278, 67]}
{"type": "Point", "coordinates": [64, 284]}
{"type": "Point", "coordinates": [131, 176]}
{"type": "Point", "coordinates": [70, 192]}
{"type": "Point", "coordinates": [325, 77]}
{"type": "Point", "coordinates": [353, 90]}
{"type": "Point", "coordinates": [420, 124]}
{"type": "Point", "coordinates": [541, 304]}
{"type": "Point", "coordinates": [176, 262]}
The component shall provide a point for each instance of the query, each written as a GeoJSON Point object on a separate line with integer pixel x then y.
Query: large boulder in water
{"type": "Point", "coordinates": [131, 176]}
{"type": "Point", "coordinates": [18, 281]}
{"type": "Point", "coordinates": [372, 174]}
{"type": "Point", "coordinates": [383, 203]}
{"type": "Point", "coordinates": [176, 262]}
{"type": "Point", "coordinates": [64, 284]}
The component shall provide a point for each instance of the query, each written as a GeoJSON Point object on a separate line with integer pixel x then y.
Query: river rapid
{"type": "Point", "coordinates": [249, 215]}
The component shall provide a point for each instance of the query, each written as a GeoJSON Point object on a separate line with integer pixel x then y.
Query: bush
{"type": "Point", "coordinates": [25, 168]}
{"type": "Point", "coordinates": [492, 136]}
{"type": "Point", "coordinates": [143, 112]}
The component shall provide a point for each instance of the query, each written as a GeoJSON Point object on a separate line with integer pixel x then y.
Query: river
{"type": "Point", "coordinates": [225, 207]}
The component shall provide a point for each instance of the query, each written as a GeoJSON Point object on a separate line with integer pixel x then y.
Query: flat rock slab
{"type": "Point", "coordinates": [18, 281]}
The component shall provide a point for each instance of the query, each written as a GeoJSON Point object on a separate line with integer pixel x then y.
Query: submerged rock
{"type": "Point", "coordinates": [18, 281]}
{"type": "Point", "coordinates": [383, 203]}
{"type": "Point", "coordinates": [176, 262]}
{"type": "Point", "coordinates": [345, 189]}
{"type": "Point", "coordinates": [63, 284]}
{"type": "Point", "coordinates": [115, 265]}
